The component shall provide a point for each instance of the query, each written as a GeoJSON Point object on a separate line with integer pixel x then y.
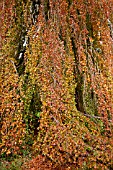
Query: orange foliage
{"type": "Point", "coordinates": [68, 71]}
{"type": "Point", "coordinates": [12, 129]}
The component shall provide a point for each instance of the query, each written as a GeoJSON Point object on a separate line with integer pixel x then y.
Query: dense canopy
{"type": "Point", "coordinates": [56, 78]}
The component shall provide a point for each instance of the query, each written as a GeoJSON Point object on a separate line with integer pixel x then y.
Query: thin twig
{"type": "Point", "coordinates": [96, 117]}
{"type": "Point", "coordinates": [14, 66]}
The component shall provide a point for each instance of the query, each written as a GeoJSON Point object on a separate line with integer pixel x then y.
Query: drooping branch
{"type": "Point", "coordinates": [14, 66]}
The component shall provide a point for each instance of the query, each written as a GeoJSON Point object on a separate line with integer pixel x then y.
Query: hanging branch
{"type": "Point", "coordinates": [110, 27]}
{"type": "Point", "coordinates": [95, 117]}
{"type": "Point", "coordinates": [14, 66]}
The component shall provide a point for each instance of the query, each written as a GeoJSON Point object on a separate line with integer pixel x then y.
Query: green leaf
{"type": "Point", "coordinates": [37, 114]}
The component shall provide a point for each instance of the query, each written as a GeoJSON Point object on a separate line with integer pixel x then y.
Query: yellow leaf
{"type": "Point", "coordinates": [8, 152]}
{"type": "Point", "coordinates": [44, 103]}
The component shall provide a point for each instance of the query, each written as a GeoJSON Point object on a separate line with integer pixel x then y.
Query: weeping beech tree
{"type": "Point", "coordinates": [57, 80]}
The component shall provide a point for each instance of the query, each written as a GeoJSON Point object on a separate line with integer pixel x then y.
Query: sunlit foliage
{"type": "Point", "coordinates": [57, 81]}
